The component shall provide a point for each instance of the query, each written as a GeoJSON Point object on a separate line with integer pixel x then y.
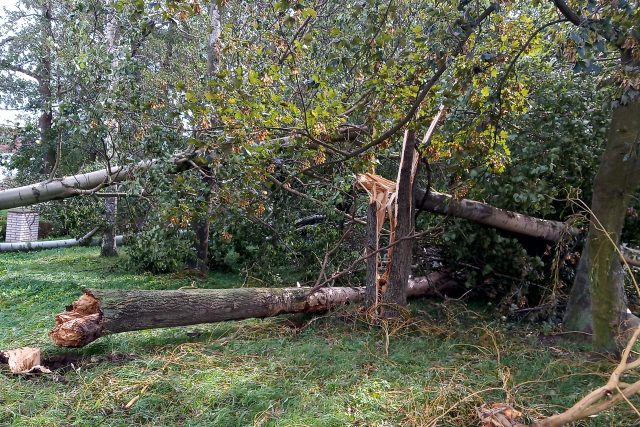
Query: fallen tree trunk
{"type": "Point", "coordinates": [486, 214]}
{"type": "Point", "coordinates": [436, 202]}
{"type": "Point", "coordinates": [54, 244]}
{"type": "Point", "coordinates": [76, 185]}
{"type": "Point", "coordinates": [102, 312]}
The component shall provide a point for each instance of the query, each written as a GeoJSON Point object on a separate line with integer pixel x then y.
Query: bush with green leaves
{"type": "Point", "coordinates": [72, 217]}
{"type": "Point", "coordinates": [160, 248]}
{"type": "Point", "coordinates": [3, 227]}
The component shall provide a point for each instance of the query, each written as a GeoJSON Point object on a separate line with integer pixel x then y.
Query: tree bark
{"type": "Point", "coordinates": [394, 294]}
{"type": "Point", "coordinates": [486, 214]}
{"type": "Point", "coordinates": [371, 294]}
{"type": "Point", "coordinates": [617, 179]}
{"type": "Point", "coordinates": [80, 184]}
{"type": "Point", "coordinates": [102, 312]}
{"type": "Point", "coordinates": [577, 316]}
{"type": "Point", "coordinates": [109, 245]}
{"type": "Point", "coordinates": [203, 224]}
{"type": "Point", "coordinates": [202, 229]}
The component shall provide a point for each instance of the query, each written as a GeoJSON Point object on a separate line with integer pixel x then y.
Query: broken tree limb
{"type": "Point", "coordinates": [102, 312]}
{"type": "Point", "coordinates": [486, 214]}
{"type": "Point", "coordinates": [76, 185]}
{"type": "Point", "coordinates": [53, 244]}
{"type": "Point", "coordinates": [613, 392]}
{"type": "Point", "coordinates": [503, 219]}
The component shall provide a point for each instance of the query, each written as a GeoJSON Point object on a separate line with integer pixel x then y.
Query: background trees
{"type": "Point", "coordinates": [269, 101]}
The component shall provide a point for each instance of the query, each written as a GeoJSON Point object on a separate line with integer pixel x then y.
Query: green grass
{"type": "Point", "coordinates": [334, 372]}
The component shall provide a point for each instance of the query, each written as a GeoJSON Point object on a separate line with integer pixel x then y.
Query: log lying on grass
{"type": "Point", "coordinates": [102, 312]}
{"type": "Point", "coordinates": [47, 244]}
{"type": "Point", "coordinates": [53, 244]}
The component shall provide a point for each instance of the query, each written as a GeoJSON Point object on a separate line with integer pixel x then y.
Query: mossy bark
{"type": "Point", "coordinates": [617, 179]}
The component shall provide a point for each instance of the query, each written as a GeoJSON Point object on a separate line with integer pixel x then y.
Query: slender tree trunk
{"type": "Point", "coordinates": [617, 179]}
{"type": "Point", "coordinates": [202, 228]}
{"type": "Point", "coordinates": [395, 292]}
{"type": "Point", "coordinates": [371, 295]}
{"type": "Point", "coordinates": [45, 121]}
{"type": "Point", "coordinates": [203, 225]}
{"type": "Point", "coordinates": [109, 244]}
{"type": "Point", "coordinates": [102, 312]}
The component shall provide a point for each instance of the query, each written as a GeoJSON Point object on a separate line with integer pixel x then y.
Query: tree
{"type": "Point", "coordinates": [615, 183]}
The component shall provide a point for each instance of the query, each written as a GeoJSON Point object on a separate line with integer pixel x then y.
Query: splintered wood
{"type": "Point", "coordinates": [79, 325]}
{"type": "Point", "coordinates": [383, 198]}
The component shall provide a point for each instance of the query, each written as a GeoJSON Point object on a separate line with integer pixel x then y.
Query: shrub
{"type": "Point", "coordinates": [160, 248]}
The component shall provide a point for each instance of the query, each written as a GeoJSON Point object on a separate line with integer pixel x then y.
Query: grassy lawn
{"type": "Point", "coordinates": [332, 372]}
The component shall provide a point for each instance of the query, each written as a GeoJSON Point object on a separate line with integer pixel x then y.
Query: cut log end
{"type": "Point", "coordinates": [80, 324]}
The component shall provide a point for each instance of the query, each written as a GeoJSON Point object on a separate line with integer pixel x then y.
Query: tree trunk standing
{"type": "Point", "coordinates": [577, 315]}
{"type": "Point", "coordinates": [203, 225]}
{"type": "Point", "coordinates": [617, 179]}
{"type": "Point", "coordinates": [395, 292]}
{"type": "Point", "coordinates": [102, 312]}
{"type": "Point", "coordinates": [45, 121]}
{"type": "Point", "coordinates": [109, 245]}
{"type": "Point", "coordinates": [202, 229]}
{"type": "Point", "coordinates": [213, 45]}
{"type": "Point", "coordinates": [371, 294]}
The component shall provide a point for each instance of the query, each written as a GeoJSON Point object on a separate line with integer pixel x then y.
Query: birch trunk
{"type": "Point", "coordinates": [109, 246]}
{"type": "Point", "coordinates": [203, 224]}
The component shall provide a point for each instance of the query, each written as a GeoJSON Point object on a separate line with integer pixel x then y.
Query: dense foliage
{"type": "Point", "coordinates": [302, 96]}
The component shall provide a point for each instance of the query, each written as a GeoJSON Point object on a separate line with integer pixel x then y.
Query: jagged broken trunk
{"type": "Point", "coordinates": [103, 312]}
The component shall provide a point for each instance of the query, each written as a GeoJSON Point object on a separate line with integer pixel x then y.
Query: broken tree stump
{"type": "Point", "coordinates": [101, 312]}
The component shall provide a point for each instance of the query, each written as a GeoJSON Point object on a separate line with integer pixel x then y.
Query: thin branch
{"type": "Point", "coordinates": [422, 94]}
{"type": "Point", "coordinates": [520, 52]}
{"type": "Point", "coordinates": [569, 13]}
{"type": "Point", "coordinates": [311, 199]}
